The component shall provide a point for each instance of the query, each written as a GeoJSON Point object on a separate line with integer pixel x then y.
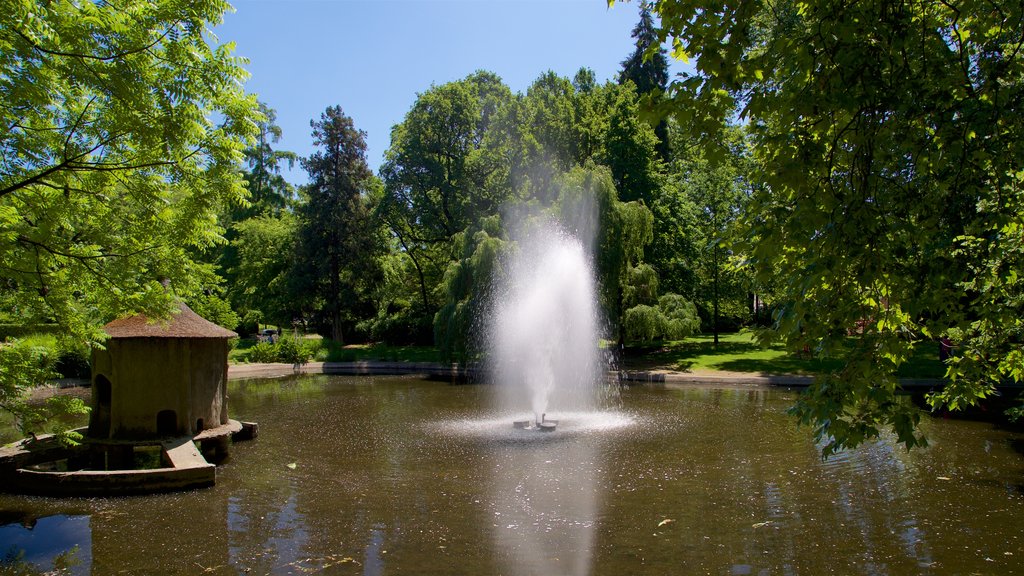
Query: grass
{"type": "Point", "coordinates": [382, 352]}
{"type": "Point", "coordinates": [738, 352]}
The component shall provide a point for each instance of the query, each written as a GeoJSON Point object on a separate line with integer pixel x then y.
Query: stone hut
{"type": "Point", "coordinates": [160, 379]}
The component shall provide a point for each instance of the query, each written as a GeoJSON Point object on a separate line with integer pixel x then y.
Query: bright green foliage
{"type": "Point", "coordinates": [467, 285]}
{"type": "Point", "coordinates": [212, 306]}
{"type": "Point", "coordinates": [269, 193]}
{"type": "Point", "coordinates": [261, 233]}
{"type": "Point", "coordinates": [680, 314]}
{"type": "Point", "coordinates": [673, 318]}
{"type": "Point", "coordinates": [442, 172]}
{"type": "Point", "coordinates": [716, 191]}
{"type": "Point", "coordinates": [551, 134]}
{"type": "Point", "coordinates": [631, 150]}
{"type": "Point", "coordinates": [111, 166]}
{"type": "Point", "coordinates": [287, 349]}
{"type": "Point", "coordinates": [445, 170]}
{"type": "Point", "coordinates": [339, 242]}
{"type": "Point", "coordinates": [889, 137]}
{"type": "Point", "coordinates": [25, 364]}
{"type": "Point", "coordinates": [124, 125]}
{"type": "Point", "coordinates": [628, 287]}
{"type": "Point", "coordinates": [647, 316]}
{"type": "Point", "coordinates": [400, 318]}
{"type": "Point", "coordinates": [265, 246]}
{"type": "Point", "coordinates": [470, 150]}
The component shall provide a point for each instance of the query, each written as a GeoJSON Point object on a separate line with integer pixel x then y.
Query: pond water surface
{"type": "Point", "coordinates": [404, 476]}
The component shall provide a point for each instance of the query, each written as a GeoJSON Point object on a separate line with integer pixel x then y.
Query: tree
{"type": "Point", "coordinates": [467, 285]}
{"type": "Point", "coordinates": [714, 190]}
{"type": "Point", "coordinates": [892, 203]}
{"type": "Point", "coordinates": [647, 68]}
{"type": "Point", "coordinates": [587, 203]}
{"type": "Point", "coordinates": [250, 229]}
{"type": "Point", "coordinates": [261, 289]}
{"type": "Point", "coordinates": [123, 130]}
{"type": "Point", "coordinates": [631, 150]}
{"type": "Point", "coordinates": [269, 193]}
{"type": "Point", "coordinates": [337, 266]}
{"type": "Point", "coordinates": [446, 169]}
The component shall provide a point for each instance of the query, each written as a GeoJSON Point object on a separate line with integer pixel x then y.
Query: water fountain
{"type": "Point", "coordinates": [544, 329]}
{"type": "Point", "coordinates": [548, 370]}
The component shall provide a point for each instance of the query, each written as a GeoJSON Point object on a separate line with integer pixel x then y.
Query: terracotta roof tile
{"type": "Point", "coordinates": [184, 324]}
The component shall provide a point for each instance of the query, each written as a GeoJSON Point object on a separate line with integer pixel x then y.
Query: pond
{"type": "Point", "coordinates": [400, 475]}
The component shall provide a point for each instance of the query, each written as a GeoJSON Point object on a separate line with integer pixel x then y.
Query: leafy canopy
{"type": "Point", "coordinates": [112, 164]}
{"type": "Point", "coordinates": [124, 125]}
{"type": "Point", "coordinates": [889, 141]}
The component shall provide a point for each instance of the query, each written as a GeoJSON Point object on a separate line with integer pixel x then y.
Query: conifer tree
{"type": "Point", "coordinates": [336, 262]}
{"type": "Point", "coordinates": [647, 67]}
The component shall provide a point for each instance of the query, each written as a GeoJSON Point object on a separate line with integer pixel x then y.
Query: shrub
{"type": "Point", "coordinates": [72, 359]}
{"type": "Point", "coordinates": [263, 352]}
{"type": "Point", "coordinates": [293, 351]}
{"type": "Point", "coordinates": [288, 350]}
{"type": "Point", "coordinates": [26, 363]}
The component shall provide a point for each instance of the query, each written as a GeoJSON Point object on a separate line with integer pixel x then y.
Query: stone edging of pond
{"type": "Point", "coordinates": [456, 372]}
{"type": "Point", "coordinates": [184, 466]}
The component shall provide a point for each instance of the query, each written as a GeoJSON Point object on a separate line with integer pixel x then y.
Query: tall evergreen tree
{"type": "Point", "coordinates": [269, 193]}
{"type": "Point", "coordinates": [270, 197]}
{"type": "Point", "coordinates": [647, 67]}
{"type": "Point", "coordinates": [336, 262]}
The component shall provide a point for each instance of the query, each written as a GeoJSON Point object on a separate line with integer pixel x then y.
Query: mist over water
{"type": "Point", "coordinates": [544, 326]}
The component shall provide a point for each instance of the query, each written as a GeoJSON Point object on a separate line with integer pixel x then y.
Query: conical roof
{"type": "Point", "coordinates": [184, 324]}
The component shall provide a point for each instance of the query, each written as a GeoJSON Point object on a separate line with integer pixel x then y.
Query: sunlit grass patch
{"type": "Point", "coordinates": [739, 352]}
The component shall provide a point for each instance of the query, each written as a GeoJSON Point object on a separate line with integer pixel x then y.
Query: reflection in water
{"type": "Point", "coordinates": [266, 535]}
{"type": "Point", "coordinates": [58, 543]}
{"type": "Point", "coordinates": [543, 486]}
{"type": "Point", "coordinates": [373, 561]}
{"type": "Point", "coordinates": [401, 476]}
{"type": "Point", "coordinates": [545, 506]}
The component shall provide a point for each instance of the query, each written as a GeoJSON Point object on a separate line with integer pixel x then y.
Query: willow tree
{"type": "Point", "coordinates": [124, 126]}
{"type": "Point", "coordinates": [617, 233]}
{"type": "Point", "coordinates": [891, 138]}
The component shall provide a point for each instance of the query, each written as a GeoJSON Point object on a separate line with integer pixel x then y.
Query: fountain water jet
{"type": "Point", "coordinates": [544, 358]}
{"type": "Point", "coordinates": [543, 332]}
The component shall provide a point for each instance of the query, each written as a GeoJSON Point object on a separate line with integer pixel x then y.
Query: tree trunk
{"type": "Point", "coordinates": [336, 332]}
{"type": "Point", "coordinates": [714, 321]}
{"type": "Point", "coordinates": [334, 298]}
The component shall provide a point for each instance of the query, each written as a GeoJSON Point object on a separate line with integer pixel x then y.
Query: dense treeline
{"type": "Point", "coordinates": [469, 159]}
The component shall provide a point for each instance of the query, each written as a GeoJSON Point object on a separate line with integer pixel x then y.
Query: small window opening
{"type": "Point", "coordinates": [166, 423]}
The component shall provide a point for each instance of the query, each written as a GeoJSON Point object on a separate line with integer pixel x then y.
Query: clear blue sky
{"type": "Point", "coordinates": [373, 57]}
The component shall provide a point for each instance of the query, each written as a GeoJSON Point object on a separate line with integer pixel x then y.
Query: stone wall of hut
{"type": "Point", "coordinates": [159, 386]}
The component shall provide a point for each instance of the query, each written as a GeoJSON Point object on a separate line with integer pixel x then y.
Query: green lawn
{"type": "Point", "coordinates": [739, 352]}
{"type": "Point", "coordinates": [331, 352]}
{"type": "Point", "coordinates": [736, 352]}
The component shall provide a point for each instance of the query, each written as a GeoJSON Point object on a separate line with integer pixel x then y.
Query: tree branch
{"type": "Point", "coordinates": [108, 58]}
